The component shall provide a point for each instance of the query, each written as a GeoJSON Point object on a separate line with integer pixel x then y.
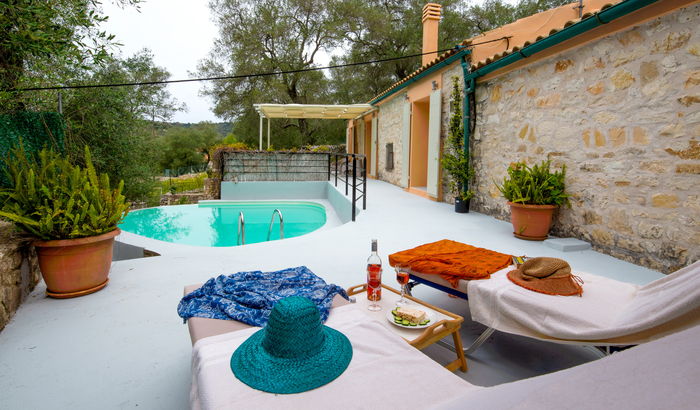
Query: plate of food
{"type": "Point", "coordinates": [410, 317]}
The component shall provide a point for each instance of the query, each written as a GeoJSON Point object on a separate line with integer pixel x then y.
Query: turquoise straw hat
{"type": "Point", "coordinates": [294, 352]}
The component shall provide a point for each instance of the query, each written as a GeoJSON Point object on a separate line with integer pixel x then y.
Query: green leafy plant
{"type": "Point", "coordinates": [454, 161]}
{"type": "Point", "coordinates": [181, 184]}
{"type": "Point", "coordinates": [51, 198]}
{"type": "Point", "coordinates": [535, 185]}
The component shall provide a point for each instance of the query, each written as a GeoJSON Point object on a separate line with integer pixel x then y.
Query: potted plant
{"type": "Point", "coordinates": [454, 159]}
{"type": "Point", "coordinates": [71, 211]}
{"type": "Point", "coordinates": [533, 194]}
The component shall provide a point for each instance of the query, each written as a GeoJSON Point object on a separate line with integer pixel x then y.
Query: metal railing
{"type": "Point", "coordinates": [353, 172]}
{"type": "Point", "coordinates": [240, 237]}
{"type": "Point", "coordinates": [272, 220]}
{"type": "Point", "coordinates": [350, 169]}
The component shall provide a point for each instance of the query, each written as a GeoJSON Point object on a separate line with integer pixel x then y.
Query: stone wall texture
{"type": "Point", "coordinates": [19, 271]}
{"type": "Point", "coordinates": [623, 114]}
{"type": "Point", "coordinates": [389, 132]}
{"type": "Point", "coordinates": [242, 166]}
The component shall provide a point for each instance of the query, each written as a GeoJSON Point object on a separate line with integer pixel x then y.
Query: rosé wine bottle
{"type": "Point", "coordinates": [374, 273]}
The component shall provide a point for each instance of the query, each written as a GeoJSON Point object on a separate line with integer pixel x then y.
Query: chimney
{"type": "Point", "coordinates": [431, 20]}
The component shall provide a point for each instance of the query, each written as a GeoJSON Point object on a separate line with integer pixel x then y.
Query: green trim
{"type": "Point", "coordinates": [449, 60]}
{"type": "Point", "coordinates": [594, 21]}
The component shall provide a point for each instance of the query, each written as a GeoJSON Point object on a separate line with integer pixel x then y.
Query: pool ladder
{"type": "Point", "coordinates": [241, 226]}
{"type": "Point", "coordinates": [241, 229]}
{"type": "Point", "coordinates": [272, 221]}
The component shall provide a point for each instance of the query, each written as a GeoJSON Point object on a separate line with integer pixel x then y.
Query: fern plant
{"type": "Point", "coordinates": [535, 185]}
{"type": "Point", "coordinates": [454, 162]}
{"type": "Point", "coordinates": [51, 198]}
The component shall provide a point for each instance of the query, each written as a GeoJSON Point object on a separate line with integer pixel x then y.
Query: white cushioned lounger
{"type": "Point", "coordinates": [386, 372]}
{"type": "Point", "coordinates": [610, 312]}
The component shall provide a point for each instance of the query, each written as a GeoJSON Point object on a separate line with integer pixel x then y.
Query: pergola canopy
{"type": "Point", "coordinates": [329, 112]}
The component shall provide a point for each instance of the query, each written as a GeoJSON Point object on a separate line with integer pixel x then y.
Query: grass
{"type": "Point", "coordinates": [180, 184]}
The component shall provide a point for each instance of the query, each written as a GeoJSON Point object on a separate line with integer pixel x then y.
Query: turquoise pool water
{"type": "Point", "coordinates": [216, 224]}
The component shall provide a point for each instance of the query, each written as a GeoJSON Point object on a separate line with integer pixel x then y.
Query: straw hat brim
{"type": "Point", "coordinates": [562, 286]}
{"type": "Point", "coordinates": [254, 366]}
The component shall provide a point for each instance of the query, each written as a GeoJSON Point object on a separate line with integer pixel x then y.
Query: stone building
{"type": "Point", "coordinates": [612, 91]}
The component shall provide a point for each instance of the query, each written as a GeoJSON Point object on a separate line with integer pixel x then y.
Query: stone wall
{"type": "Point", "coordinates": [389, 132]}
{"type": "Point", "coordinates": [19, 271]}
{"type": "Point", "coordinates": [183, 198]}
{"type": "Point", "coordinates": [241, 166]}
{"type": "Point", "coordinates": [623, 114]}
{"type": "Point", "coordinates": [212, 188]}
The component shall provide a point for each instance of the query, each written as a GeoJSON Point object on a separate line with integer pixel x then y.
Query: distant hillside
{"type": "Point", "coordinates": [224, 128]}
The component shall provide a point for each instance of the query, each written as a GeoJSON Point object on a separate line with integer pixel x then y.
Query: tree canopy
{"type": "Point", "coordinates": [61, 43]}
{"type": "Point", "coordinates": [263, 36]}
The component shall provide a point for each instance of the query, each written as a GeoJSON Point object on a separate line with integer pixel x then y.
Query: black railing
{"type": "Point", "coordinates": [347, 165]}
{"type": "Point", "coordinates": [350, 169]}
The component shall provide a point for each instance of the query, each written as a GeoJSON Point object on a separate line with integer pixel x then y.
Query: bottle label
{"type": "Point", "coordinates": [374, 281]}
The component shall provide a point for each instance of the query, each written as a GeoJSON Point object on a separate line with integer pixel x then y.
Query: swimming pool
{"type": "Point", "coordinates": [216, 223]}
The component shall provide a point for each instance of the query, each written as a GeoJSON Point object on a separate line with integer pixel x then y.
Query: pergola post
{"type": "Point", "coordinates": [261, 126]}
{"type": "Point", "coordinates": [268, 132]}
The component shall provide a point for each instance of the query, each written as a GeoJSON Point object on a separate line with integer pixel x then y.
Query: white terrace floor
{"type": "Point", "coordinates": [125, 346]}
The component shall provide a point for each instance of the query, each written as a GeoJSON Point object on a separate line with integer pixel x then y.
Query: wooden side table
{"type": "Point", "coordinates": [446, 323]}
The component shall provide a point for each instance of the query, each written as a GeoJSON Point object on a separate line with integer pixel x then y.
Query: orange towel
{"type": "Point", "coordinates": [452, 260]}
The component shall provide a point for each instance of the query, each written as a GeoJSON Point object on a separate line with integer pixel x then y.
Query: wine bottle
{"type": "Point", "coordinates": [374, 273]}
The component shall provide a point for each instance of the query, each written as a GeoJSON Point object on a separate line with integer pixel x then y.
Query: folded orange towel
{"type": "Point", "coordinates": [452, 260]}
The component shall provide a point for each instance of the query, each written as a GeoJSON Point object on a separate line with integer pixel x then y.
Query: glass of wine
{"type": "Point", "coordinates": [402, 278]}
{"type": "Point", "coordinates": [373, 295]}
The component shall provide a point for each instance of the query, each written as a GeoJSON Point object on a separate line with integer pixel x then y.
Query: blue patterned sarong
{"type": "Point", "coordinates": [249, 296]}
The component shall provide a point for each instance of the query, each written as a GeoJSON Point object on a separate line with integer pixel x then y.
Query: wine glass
{"type": "Point", "coordinates": [373, 295]}
{"type": "Point", "coordinates": [402, 278]}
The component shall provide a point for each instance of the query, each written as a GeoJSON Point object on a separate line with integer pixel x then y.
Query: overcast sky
{"type": "Point", "coordinates": [179, 33]}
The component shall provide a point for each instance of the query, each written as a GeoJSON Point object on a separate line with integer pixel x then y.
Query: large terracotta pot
{"type": "Point", "coordinates": [76, 267]}
{"type": "Point", "coordinates": [531, 222]}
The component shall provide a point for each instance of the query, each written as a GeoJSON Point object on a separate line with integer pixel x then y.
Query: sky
{"type": "Point", "coordinates": [179, 33]}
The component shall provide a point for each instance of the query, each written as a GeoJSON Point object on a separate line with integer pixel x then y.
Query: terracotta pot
{"type": "Point", "coordinates": [76, 267]}
{"type": "Point", "coordinates": [531, 222]}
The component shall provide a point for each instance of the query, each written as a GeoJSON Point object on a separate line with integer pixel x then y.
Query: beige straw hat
{"type": "Point", "coordinates": [547, 275]}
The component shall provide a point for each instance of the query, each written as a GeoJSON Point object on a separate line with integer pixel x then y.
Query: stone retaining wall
{"type": "Point", "coordinates": [183, 198]}
{"type": "Point", "coordinates": [242, 166]}
{"type": "Point", "coordinates": [19, 271]}
{"type": "Point", "coordinates": [623, 114]}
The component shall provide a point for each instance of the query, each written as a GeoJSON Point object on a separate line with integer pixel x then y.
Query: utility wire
{"type": "Point", "coordinates": [234, 77]}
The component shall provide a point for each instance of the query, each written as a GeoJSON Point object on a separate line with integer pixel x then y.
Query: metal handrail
{"type": "Point", "coordinates": [241, 229]}
{"type": "Point", "coordinates": [269, 230]}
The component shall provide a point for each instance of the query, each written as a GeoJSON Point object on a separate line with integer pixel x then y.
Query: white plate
{"type": "Point", "coordinates": [428, 314]}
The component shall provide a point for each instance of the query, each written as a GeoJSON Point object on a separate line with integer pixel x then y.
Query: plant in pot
{"type": "Point", "coordinates": [533, 193]}
{"type": "Point", "coordinates": [454, 159]}
{"type": "Point", "coordinates": [71, 211]}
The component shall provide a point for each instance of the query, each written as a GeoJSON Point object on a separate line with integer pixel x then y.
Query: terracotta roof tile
{"type": "Point", "coordinates": [516, 36]}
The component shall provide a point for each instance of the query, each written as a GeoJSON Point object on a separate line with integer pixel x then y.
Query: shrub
{"type": "Point", "coordinates": [51, 198]}
{"type": "Point", "coordinates": [535, 185]}
{"type": "Point", "coordinates": [454, 161]}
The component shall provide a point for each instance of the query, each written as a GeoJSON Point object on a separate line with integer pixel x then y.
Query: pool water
{"type": "Point", "coordinates": [216, 224]}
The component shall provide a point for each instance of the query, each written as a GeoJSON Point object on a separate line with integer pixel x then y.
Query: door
{"type": "Point", "coordinates": [434, 120]}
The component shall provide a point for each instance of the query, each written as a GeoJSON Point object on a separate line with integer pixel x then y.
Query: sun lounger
{"type": "Point", "coordinates": [608, 313]}
{"type": "Point", "coordinates": [386, 372]}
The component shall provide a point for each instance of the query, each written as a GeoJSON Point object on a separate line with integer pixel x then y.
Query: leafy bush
{"type": "Point", "coordinates": [454, 162]}
{"type": "Point", "coordinates": [51, 198]}
{"type": "Point", "coordinates": [177, 185]}
{"type": "Point", "coordinates": [535, 185]}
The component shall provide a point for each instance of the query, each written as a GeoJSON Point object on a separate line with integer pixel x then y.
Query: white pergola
{"type": "Point", "coordinates": [327, 112]}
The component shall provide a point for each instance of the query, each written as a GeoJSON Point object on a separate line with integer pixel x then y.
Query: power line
{"type": "Point", "coordinates": [241, 76]}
